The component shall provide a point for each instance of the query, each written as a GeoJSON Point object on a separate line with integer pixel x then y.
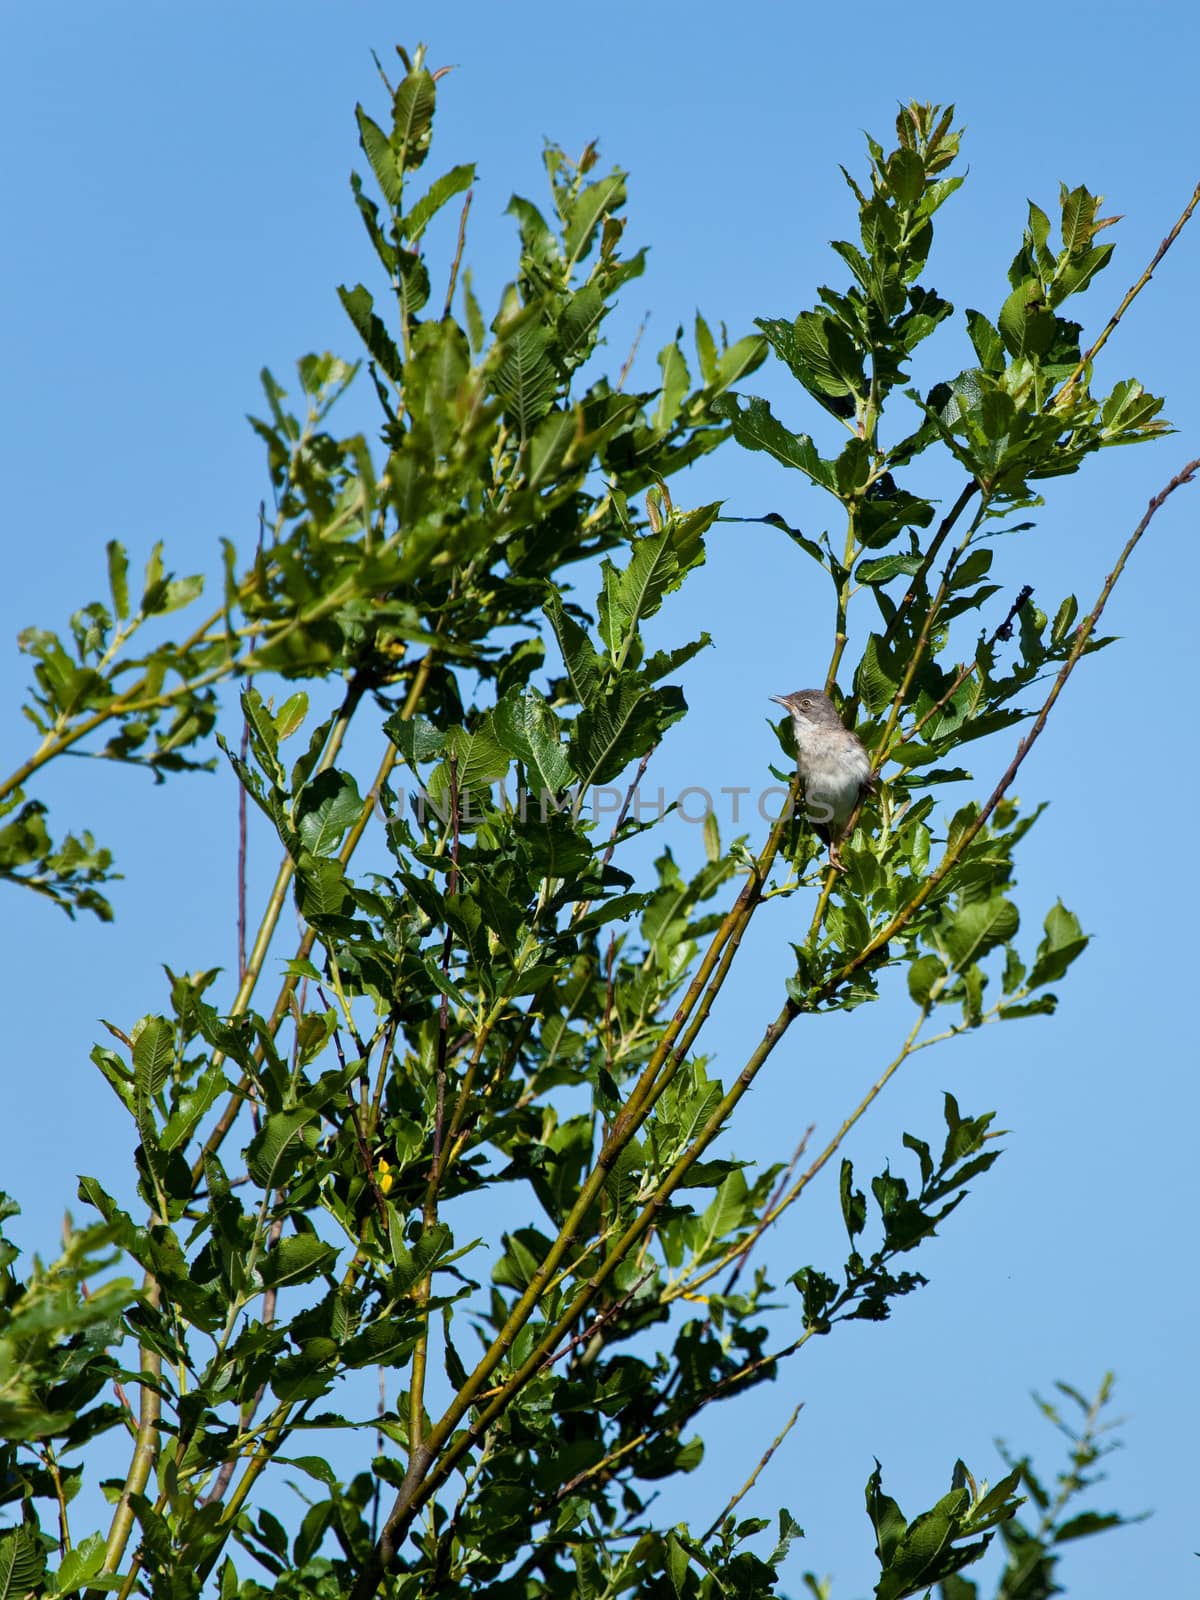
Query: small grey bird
{"type": "Point", "coordinates": [834, 767]}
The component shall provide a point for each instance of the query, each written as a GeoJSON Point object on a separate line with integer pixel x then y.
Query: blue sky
{"type": "Point", "coordinates": [179, 216]}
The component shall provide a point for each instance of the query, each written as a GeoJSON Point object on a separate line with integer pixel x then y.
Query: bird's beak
{"type": "Point", "coordinates": [779, 699]}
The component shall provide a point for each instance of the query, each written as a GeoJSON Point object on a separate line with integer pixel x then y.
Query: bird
{"type": "Point", "coordinates": [835, 769]}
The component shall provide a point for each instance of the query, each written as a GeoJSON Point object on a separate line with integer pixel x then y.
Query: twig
{"type": "Point", "coordinates": [382, 74]}
{"type": "Point", "coordinates": [447, 946]}
{"type": "Point", "coordinates": [454, 265]}
{"type": "Point", "coordinates": [769, 1213]}
{"type": "Point", "coordinates": [244, 752]}
{"type": "Point", "coordinates": [632, 356]}
{"type": "Point", "coordinates": [1130, 296]}
{"type": "Point", "coordinates": [593, 1327]}
{"type": "Point", "coordinates": [753, 1478]}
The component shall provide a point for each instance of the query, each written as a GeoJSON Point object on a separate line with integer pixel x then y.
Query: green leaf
{"type": "Point", "coordinates": [1065, 940]}
{"type": "Point", "coordinates": [578, 321]}
{"type": "Point", "coordinates": [854, 1202]}
{"type": "Point", "coordinates": [321, 889]}
{"type": "Point", "coordinates": [620, 727]}
{"type": "Point", "coordinates": [192, 1105]}
{"type": "Point", "coordinates": [412, 117]}
{"type": "Point", "coordinates": [291, 715]}
{"type": "Point", "coordinates": [360, 308]}
{"type": "Point", "coordinates": [525, 379]}
{"type": "Point", "coordinates": [416, 738]}
{"type": "Point", "coordinates": [552, 439]}
{"type": "Point", "coordinates": [886, 1518]}
{"type": "Point", "coordinates": [591, 205]}
{"type": "Point", "coordinates": [153, 1056]}
{"type": "Point", "coordinates": [877, 677]}
{"type": "Point", "coordinates": [296, 1259]}
{"type": "Point", "coordinates": [742, 357]}
{"type": "Point", "coordinates": [324, 809]}
{"type": "Point", "coordinates": [378, 151]}
{"type": "Point", "coordinates": [675, 382]}
{"type": "Point", "coordinates": [272, 1154]}
{"type": "Point", "coordinates": [79, 1565]}
{"type": "Point", "coordinates": [706, 351]}
{"type": "Point", "coordinates": [118, 578]}
{"type": "Point", "coordinates": [884, 568]}
{"type": "Point", "coordinates": [657, 566]}
{"type": "Point", "coordinates": [757, 428]}
{"type": "Point", "coordinates": [432, 201]}
{"type": "Point", "coordinates": [1027, 325]}
{"type": "Point", "coordinates": [581, 661]}
{"type": "Point", "coordinates": [678, 1562]}
{"type": "Point", "coordinates": [923, 973]}
{"type": "Point", "coordinates": [1079, 210]}
{"type": "Point", "coordinates": [976, 928]}
{"type": "Point", "coordinates": [479, 758]}
{"type": "Point", "coordinates": [989, 346]}
{"type": "Point", "coordinates": [22, 1562]}
{"type": "Point", "coordinates": [526, 727]}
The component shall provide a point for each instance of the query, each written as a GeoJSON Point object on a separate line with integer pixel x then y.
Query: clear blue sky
{"type": "Point", "coordinates": [178, 215]}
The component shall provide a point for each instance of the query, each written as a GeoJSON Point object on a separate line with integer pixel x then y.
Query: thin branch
{"type": "Point", "coordinates": [1131, 295]}
{"type": "Point", "coordinates": [632, 356]}
{"type": "Point", "coordinates": [444, 1010]}
{"type": "Point", "coordinates": [145, 1452]}
{"type": "Point", "coordinates": [458, 254]}
{"type": "Point", "coordinates": [754, 1476]}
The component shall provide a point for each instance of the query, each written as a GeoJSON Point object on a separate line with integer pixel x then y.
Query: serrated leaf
{"type": "Point", "coordinates": [877, 677]}
{"type": "Point", "coordinates": [378, 151]}
{"type": "Point", "coordinates": [192, 1105]}
{"type": "Point", "coordinates": [291, 715]}
{"type": "Point", "coordinates": [324, 809]}
{"type": "Point", "coordinates": [272, 1154]}
{"type": "Point", "coordinates": [435, 197]}
{"type": "Point", "coordinates": [989, 346]}
{"type": "Point", "coordinates": [588, 208]}
{"type": "Point", "coordinates": [578, 321]}
{"type": "Point", "coordinates": [412, 117]}
{"type": "Point", "coordinates": [79, 1565]}
{"type": "Point", "coordinates": [297, 1258]}
{"type": "Point", "coordinates": [153, 1056]}
{"type": "Point", "coordinates": [22, 1562]}
{"type": "Point", "coordinates": [416, 738]}
{"type": "Point", "coordinates": [976, 928]}
{"type": "Point", "coordinates": [525, 379]}
{"type": "Point", "coordinates": [757, 428]}
{"type": "Point", "coordinates": [360, 308]}
{"type": "Point", "coordinates": [581, 661]}
{"type": "Point", "coordinates": [675, 382]}
{"type": "Point", "coordinates": [527, 728]}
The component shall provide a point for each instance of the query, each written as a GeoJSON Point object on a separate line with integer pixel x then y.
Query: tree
{"type": "Point", "coordinates": [501, 1007]}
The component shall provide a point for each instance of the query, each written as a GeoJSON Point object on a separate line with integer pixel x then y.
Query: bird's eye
{"type": "Point", "coordinates": [806, 704]}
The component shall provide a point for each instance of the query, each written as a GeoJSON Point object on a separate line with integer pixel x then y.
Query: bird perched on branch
{"type": "Point", "coordinates": [834, 767]}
